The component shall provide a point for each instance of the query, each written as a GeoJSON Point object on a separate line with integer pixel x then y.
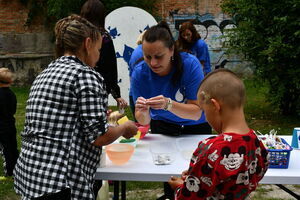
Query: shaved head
{"type": "Point", "coordinates": [224, 86]}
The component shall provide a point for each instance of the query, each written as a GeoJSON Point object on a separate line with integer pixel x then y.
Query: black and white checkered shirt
{"type": "Point", "coordinates": [65, 113]}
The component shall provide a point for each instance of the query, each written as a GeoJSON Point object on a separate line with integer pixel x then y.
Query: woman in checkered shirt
{"type": "Point", "coordinates": [66, 122]}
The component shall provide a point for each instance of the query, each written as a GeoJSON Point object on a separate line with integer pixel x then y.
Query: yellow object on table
{"type": "Point", "coordinates": [125, 119]}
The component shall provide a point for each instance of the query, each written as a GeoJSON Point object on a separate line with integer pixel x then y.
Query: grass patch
{"type": "Point", "coordinates": [261, 116]}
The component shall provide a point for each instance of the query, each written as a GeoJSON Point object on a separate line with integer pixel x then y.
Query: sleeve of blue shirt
{"type": "Point", "coordinates": [135, 56]}
{"type": "Point", "coordinates": [192, 77]}
{"type": "Point", "coordinates": [134, 85]}
{"type": "Point", "coordinates": [203, 54]}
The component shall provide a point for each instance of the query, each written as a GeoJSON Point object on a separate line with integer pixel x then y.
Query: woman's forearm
{"type": "Point", "coordinates": [190, 110]}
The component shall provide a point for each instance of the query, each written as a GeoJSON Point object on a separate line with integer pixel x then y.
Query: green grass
{"type": "Point", "coordinates": [259, 114]}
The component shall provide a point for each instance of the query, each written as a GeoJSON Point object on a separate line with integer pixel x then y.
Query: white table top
{"type": "Point", "coordinates": [141, 167]}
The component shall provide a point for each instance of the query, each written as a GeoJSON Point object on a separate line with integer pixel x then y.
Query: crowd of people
{"type": "Point", "coordinates": [172, 88]}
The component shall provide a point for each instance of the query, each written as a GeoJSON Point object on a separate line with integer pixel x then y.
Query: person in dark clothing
{"type": "Point", "coordinates": [94, 11]}
{"type": "Point", "coordinates": [8, 132]}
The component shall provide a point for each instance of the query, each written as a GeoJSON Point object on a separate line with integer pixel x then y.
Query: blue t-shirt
{"type": "Point", "coordinates": [200, 50]}
{"type": "Point", "coordinates": [135, 56]}
{"type": "Point", "coordinates": [148, 84]}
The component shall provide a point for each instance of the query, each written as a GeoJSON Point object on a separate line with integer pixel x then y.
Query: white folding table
{"type": "Point", "coordinates": [141, 167]}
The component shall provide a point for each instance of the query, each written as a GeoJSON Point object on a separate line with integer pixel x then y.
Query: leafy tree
{"type": "Point", "coordinates": [148, 5]}
{"type": "Point", "coordinates": [52, 10]}
{"type": "Point", "coordinates": [268, 34]}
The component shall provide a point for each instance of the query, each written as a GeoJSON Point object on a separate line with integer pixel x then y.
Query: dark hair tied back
{"type": "Point", "coordinates": [161, 32]}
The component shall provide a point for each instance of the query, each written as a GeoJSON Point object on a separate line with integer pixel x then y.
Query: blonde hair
{"type": "Point", "coordinates": [70, 33]}
{"type": "Point", "coordinates": [225, 86]}
{"type": "Point", "coordinates": [114, 117]}
{"type": "Point", "coordinates": [139, 39]}
{"type": "Point", "coordinates": [6, 77]}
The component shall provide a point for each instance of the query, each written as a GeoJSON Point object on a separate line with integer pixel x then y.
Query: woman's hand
{"type": "Point", "coordinates": [142, 113]}
{"type": "Point", "coordinates": [158, 102]}
{"type": "Point", "coordinates": [174, 182]}
{"type": "Point", "coordinates": [141, 104]}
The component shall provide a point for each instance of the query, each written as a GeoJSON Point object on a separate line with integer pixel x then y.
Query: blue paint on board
{"type": "Point", "coordinates": [126, 54]}
{"type": "Point", "coordinates": [113, 32]}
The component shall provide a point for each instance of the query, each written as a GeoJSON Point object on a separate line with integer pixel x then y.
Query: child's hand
{"type": "Point", "coordinates": [108, 112]}
{"type": "Point", "coordinates": [130, 129]}
{"type": "Point", "coordinates": [184, 174]}
{"type": "Point", "coordinates": [174, 182]}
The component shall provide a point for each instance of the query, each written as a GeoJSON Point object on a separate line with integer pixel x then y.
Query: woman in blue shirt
{"type": "Point", "coordinates": [164, 86]}
{"type": "Point", "coordinates": [190, 41]}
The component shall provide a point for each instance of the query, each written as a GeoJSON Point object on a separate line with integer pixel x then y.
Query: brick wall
{"type": "Point", "coordinates": [209, 6]}
{"type": "Point", "coordinates": [183, 6]}
{"type": "Point", "coordinates": [189, 7]}
{"type": "Point", "coordinates": [13, 16]}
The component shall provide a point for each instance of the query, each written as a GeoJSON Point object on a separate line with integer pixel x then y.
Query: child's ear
{"type": "Point", "coordinates": [216, 104]}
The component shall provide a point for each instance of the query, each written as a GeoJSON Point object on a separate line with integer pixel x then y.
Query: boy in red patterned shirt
{"type": "Point", "coordinates": [230, 165]}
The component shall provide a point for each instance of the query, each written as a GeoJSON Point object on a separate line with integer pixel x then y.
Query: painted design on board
{"type": "Point", "coordinates": [127, 49]}
{"type": "Point", "coordinates": [113, 32]}
{"type": "Point", "coordinates": [146, 28]}
{"type": "Point", "coordinates": [126, 54]}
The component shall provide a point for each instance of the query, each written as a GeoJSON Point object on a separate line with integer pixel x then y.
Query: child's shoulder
{"type": "Point", "coordinates": [232, 140]}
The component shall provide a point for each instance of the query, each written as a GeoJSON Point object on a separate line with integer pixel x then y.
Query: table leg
{"type": "Point", "coordinates": [288, 191]}
{"type": "Point", "coordinates": [116, 190]}
{"type": "Point", "coordinates": [123, 190]}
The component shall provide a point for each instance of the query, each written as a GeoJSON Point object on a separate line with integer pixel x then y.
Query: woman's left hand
{"type": "Point", "coordinates": [158, 102]}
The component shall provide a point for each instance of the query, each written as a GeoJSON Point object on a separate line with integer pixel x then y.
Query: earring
{"type": "Point", "coordinates": [172, 58]}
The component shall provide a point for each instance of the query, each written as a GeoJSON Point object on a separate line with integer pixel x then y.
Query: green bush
{"type": "Point", "coordinates": [147, 5]}
{"type": "Point", "coordinates": [268, 34]}
{"type": "Point", "coordinates": [52, 10]}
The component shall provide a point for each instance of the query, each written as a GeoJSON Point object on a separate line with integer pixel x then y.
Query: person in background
{"type": "Point", "coordinates": [8, 132]}
{"type": "Point", "coordinates": [164, 87]}
{"type": "Point", "coordinates": [136, 57]}
{"type": "Point", "coordinates": [229, 165]}
{"type": "Point", "coordinates": [66, 122]}
{"type": "Point", "coordinates": [189, 40]}
{"type": "Point", "coordinates": [94, 12]}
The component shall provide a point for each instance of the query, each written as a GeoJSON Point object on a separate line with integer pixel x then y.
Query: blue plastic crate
{"type": "Point", "coordinates": [280, 158]}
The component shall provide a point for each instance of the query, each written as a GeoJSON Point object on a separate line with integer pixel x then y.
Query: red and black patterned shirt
{"type": "Point", "coordinates": [228, 166]}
